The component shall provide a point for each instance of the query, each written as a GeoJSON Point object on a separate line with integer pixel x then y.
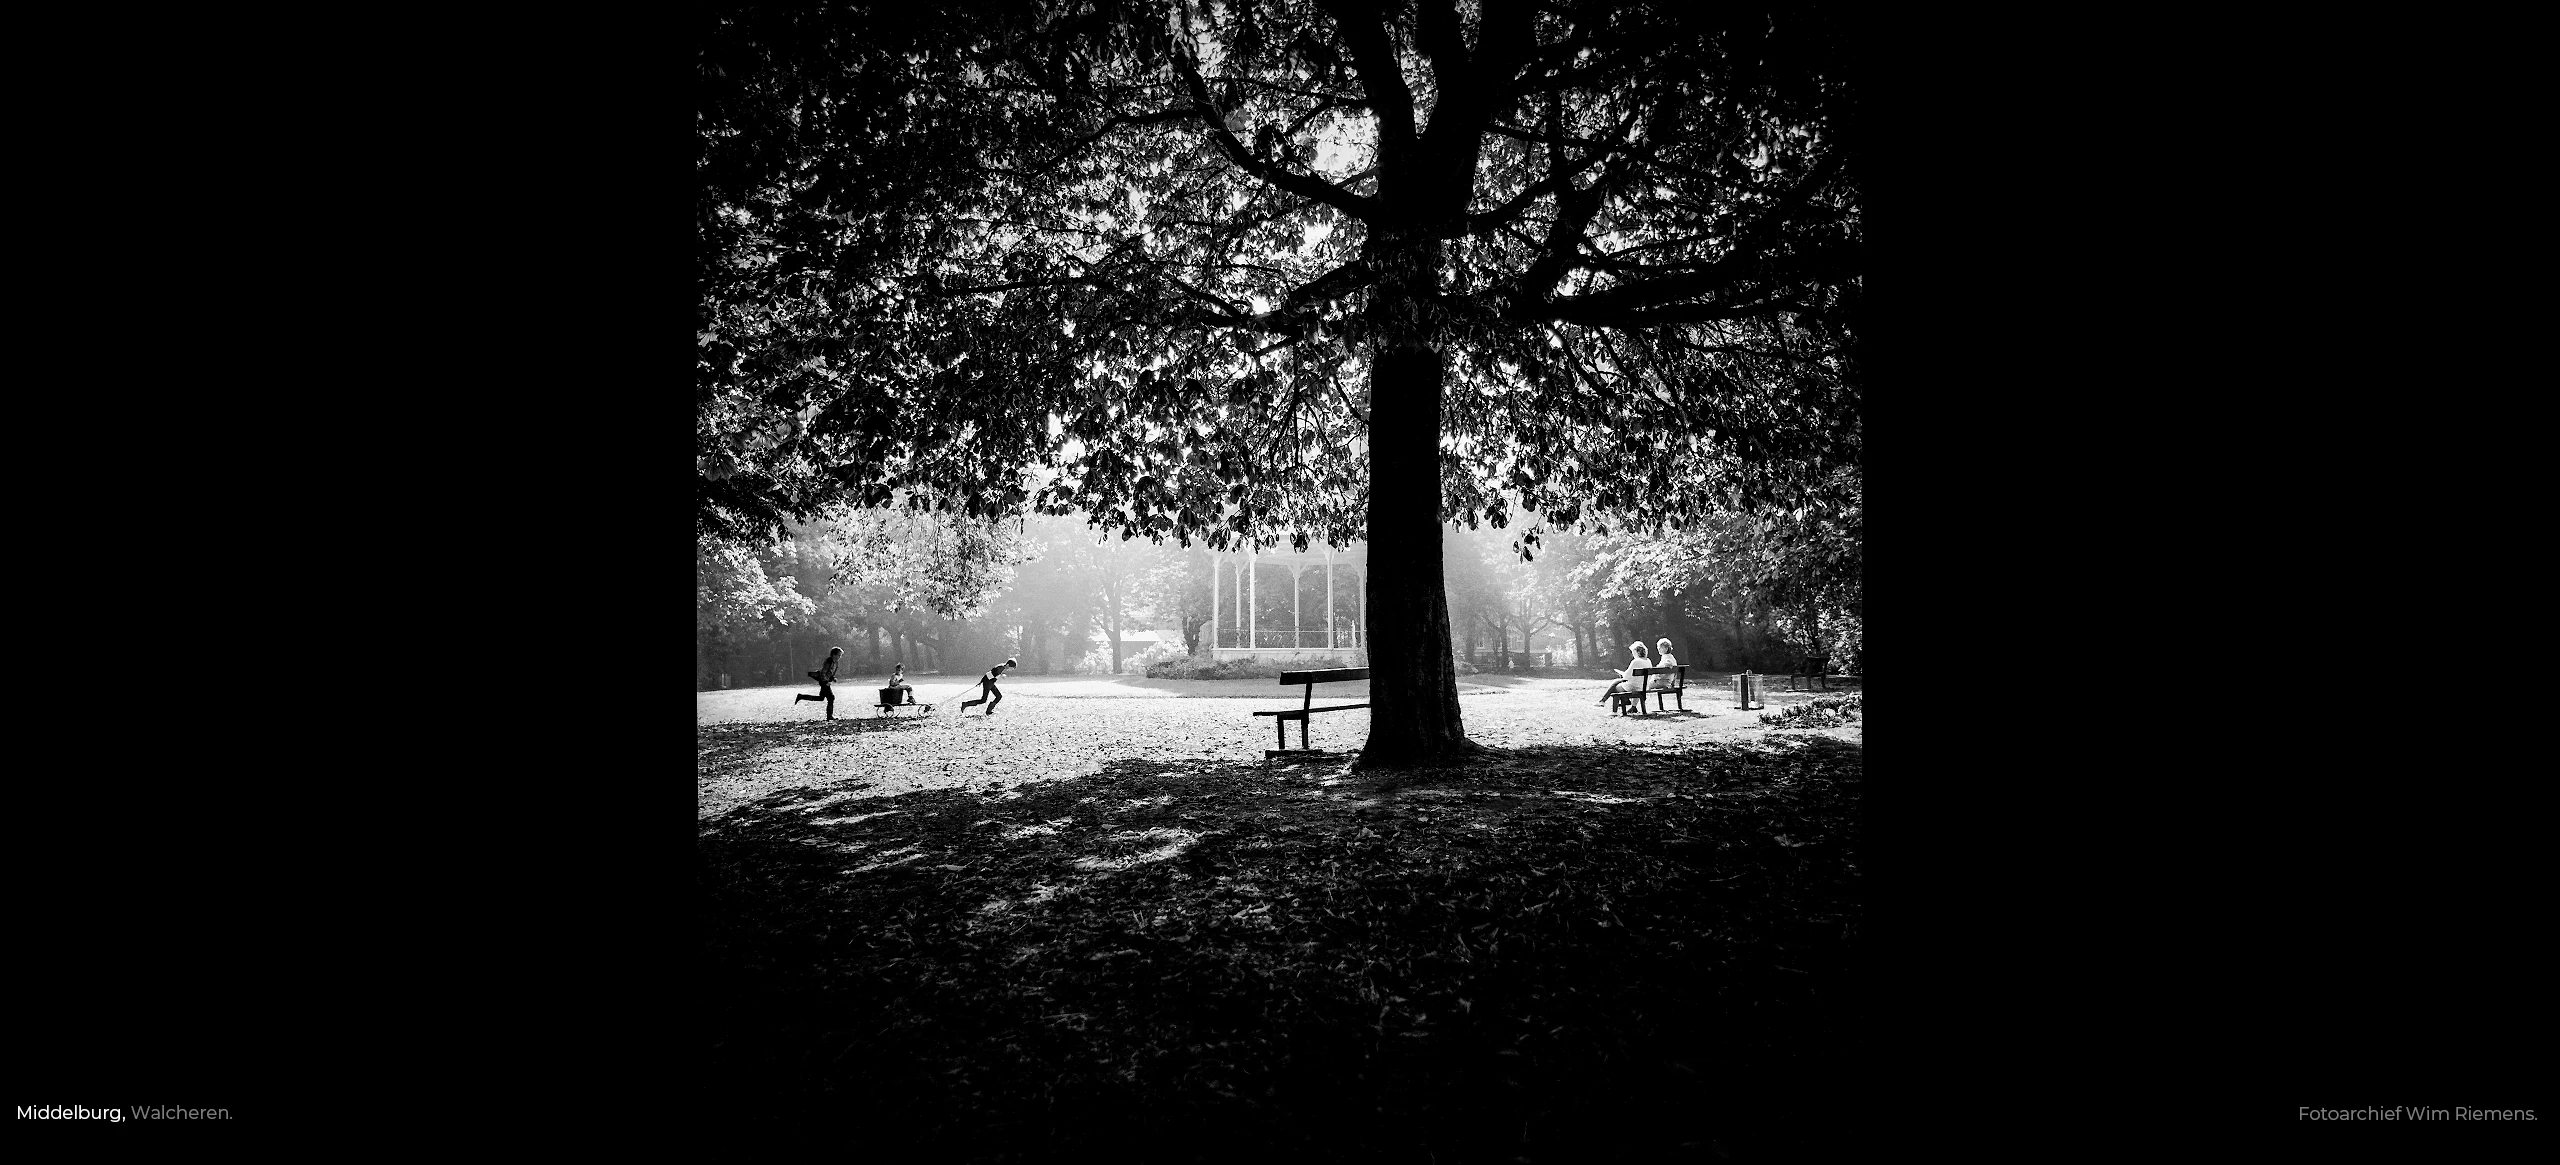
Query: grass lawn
{"type": "Point", "coordinates": [1607, 938]}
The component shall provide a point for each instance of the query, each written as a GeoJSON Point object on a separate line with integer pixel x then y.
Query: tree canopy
{"type": "Point", "coordinates": [1281, 272]}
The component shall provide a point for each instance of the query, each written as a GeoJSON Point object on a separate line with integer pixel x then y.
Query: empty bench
{"type": "Point", "coordinates": [1306, 704]}
{"type": "Point", "coordinates": [1679, 682]}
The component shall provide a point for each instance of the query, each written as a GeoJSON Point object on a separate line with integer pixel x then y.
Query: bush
{"type": "Point", "coordinates": [1819, 712]}
{"type": "Point", "coordinates": [1178, 668]}
{"type": "Point", "coordinates": [1197, 668]}
{"type": "Point", "coordinates": [1097, 662]}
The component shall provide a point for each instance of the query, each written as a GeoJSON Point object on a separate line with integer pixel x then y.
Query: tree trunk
{"type": "Point", "coordinates": [1413, 684]}
{"type": "Point", "coordinates": [1114, 629]}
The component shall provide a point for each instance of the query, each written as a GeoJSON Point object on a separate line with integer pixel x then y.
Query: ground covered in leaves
{"type": "Point", "coordinates": [756, 742]}
{"type": "Point", "coordinates": [1560, 952]}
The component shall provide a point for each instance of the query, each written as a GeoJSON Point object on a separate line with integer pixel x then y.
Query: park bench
{"type": "Point", "coordinates": [1306, 702]}
{"type": "Point", "coordinates": [1812, 667]}
{"type": "Point", "coordinates": [1679, 674]}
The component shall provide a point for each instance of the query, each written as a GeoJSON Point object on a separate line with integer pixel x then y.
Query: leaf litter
{"type": "Point", "coordinates": [1419, 960]}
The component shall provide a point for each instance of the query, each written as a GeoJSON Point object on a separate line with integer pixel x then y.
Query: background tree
{"type": "Point", "coordinates": [900, 580]}
{"type": "Point", "coordinates": [1120, 568]}
{"type": "Point", "coordinates": [1174, 592]}
{"type": "Point", "coordinates": [743, 600]}
{"type": "Point", "coordinates": [1754, 589]}
{"type": "Point", "coordinates": [1280, 272]}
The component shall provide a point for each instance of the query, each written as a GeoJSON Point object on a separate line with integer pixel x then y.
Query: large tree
{"type": "Point", "coordinates": [1280, 272]}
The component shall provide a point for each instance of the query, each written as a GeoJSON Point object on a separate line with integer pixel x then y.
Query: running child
{"type": "Point", "coordinates": [826, 677]}
{"type": "Point", "coordinates": [990, 696]}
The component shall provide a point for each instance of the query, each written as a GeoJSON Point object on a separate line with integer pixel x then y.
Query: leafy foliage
{"type": "Point", "coordinates": [915, 557]}
{"type": "Point", "coordinates": [732, 584]}
{"type": "Point", "coordinates": [1251, 668]}
{"type": "Point", "coordinates": [1155, 249]}
{"type": "Point", "coordinates": [1797, 569]}
{"type": "Point", "coordinates": [1282, 271]}
{"type": "Point", "coordinates": [1819, 712]}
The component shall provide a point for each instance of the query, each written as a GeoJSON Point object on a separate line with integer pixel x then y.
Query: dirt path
{"type": "Point", "coordinates": [753, 742]}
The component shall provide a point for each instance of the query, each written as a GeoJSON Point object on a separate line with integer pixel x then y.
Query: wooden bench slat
{"type": "Point", "coordinates": [1326, 676]}
{"type": "Point", "coordinates": [1302, 713]}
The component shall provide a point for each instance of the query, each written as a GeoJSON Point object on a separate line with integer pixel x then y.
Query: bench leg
{"type": "Point", "coordinates": [1282, 727]}
{"type": "Point", "coordinates": [1302, 733]}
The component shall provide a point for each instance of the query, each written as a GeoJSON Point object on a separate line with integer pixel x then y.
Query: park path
{"type": "Point", "coordinates": [753, 742]}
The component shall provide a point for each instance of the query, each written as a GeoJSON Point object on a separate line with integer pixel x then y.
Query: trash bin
{"type": "Point", "coordinates": [1746, 691]}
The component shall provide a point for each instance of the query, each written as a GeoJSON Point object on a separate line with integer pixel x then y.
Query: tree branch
{"type": "Point", "coordinates": [1381, 78]}
{"type": "Point", "coordinates": [1436, 34]}
{"type": "Point", "coordinates": [1620, 301]}
{"type": "Point", "coordinates": [1303, 185]}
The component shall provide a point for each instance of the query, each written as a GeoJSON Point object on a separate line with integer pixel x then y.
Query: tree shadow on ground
{"type": "Point", "coordinates": [762, 733]}
{"type": "Point", "coordinates": [1544, 953]}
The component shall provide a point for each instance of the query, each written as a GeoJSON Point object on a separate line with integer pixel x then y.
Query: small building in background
{"type": "Point", "coordinates": [1314, 603]}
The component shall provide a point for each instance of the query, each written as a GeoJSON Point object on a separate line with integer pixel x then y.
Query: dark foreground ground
{"type": "Point", "coordinates": [1566, 953]}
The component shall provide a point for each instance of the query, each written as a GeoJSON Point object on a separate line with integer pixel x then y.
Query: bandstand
{"type": "Point", "coordinates": [1235, 581]}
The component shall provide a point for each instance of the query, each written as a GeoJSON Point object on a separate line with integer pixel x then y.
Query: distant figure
{"type": "Point", "coordinates": [826, 677]}
{"type": "Point", "coordinates": [990, 695]}
{"type": "Point", "coordinates": [898, 684]}
{"type": "Point", "coordinates": [1626, 675]}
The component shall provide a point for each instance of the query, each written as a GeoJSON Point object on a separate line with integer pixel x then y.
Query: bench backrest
{"type": "Point", "coordinates": [1678, 673]}
{"type": "Point", "coordinates": [1326, 676]}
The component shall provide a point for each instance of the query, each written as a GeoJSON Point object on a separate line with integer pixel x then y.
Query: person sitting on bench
{"type": "Point", "coordinates": [1662, 657]}
{"type": "Point", "coordinates": [1626, 681]}
{"type": "Point", "coordinates": [826, 677]}
{"type": "Point", "coordinates": [989, 696]}
{"type": "Point", "coordinates": [898, 683]}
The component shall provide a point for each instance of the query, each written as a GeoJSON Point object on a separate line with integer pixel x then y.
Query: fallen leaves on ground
{"type": "Point", "coordinates": [1545, 951]}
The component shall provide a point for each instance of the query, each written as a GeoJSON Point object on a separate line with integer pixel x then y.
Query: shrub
{"type": "Point", "coordinates": [1197, 668]}
{"type": "Point", "coordinates": [1819, 712]}
{"type": "Point", "coordinates": [1180, 667]}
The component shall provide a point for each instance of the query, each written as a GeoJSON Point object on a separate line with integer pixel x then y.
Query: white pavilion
{"type": "Point", "coordinates": [1318, 626]}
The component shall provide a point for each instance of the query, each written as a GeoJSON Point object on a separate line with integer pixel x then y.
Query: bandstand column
{"type": "Point", "coordinates": [1328, 597]}
{"type": "Point", "coordinates": [1297, 617]}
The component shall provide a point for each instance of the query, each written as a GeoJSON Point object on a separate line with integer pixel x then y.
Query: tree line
{"type": "Point", "coordinates": [946, 594]}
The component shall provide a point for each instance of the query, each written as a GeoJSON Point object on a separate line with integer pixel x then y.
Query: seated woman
{"type": "Point", "coordinates": [896, 691]}
{"type": "Point", "coordinates": [1662, 657]}
{"type": "Point", "coordinates": [1626, 675]}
